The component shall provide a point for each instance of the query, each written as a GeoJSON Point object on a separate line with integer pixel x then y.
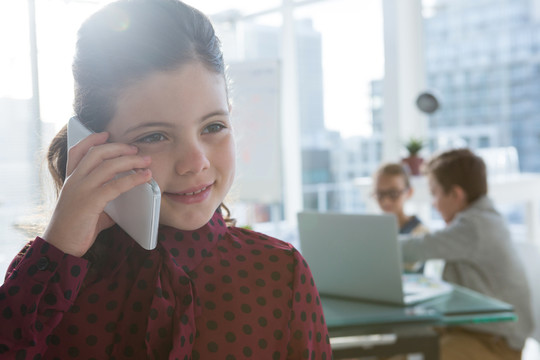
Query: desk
{"type": "Point", "coordinates": [363, 328]}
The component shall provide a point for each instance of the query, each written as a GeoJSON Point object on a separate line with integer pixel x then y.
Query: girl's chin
{"type": "Point", "coordinates": [187, 223]}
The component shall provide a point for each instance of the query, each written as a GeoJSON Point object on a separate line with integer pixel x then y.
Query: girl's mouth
{"type": "Point", "coordinates": [194, 192]}
{"type": "Point", "coordinates": [191, 197]}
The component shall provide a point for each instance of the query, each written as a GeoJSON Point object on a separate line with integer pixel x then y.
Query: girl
{"type": "Point", "coordinates": [149, 80]}
{"type": "Point", "coordinates": [392, 189]}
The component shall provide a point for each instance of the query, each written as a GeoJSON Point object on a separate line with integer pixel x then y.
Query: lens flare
{"type": "Point", "coordinates": [119, 21]}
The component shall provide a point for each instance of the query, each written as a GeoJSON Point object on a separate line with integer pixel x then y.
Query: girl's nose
{"type": "Point", "coordinates": [191, 159]}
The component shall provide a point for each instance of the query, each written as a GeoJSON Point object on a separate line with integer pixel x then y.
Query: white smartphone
{"type": "Point", "coordinates": [137, 210]}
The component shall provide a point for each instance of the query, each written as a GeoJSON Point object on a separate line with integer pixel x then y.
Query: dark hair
{"type": "Point", "coordinates": [460, 167]}
{"type": "Point", "coordinates": [123, 43]}
{"type": "Point", "coordinates": [394, 169]}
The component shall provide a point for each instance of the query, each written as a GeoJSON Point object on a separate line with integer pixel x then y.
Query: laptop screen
{"type": "Point", "coordinates": [353, 255]}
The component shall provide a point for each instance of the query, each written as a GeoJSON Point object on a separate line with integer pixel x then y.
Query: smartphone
{"type": "Point", "coordinates": [135, 211]}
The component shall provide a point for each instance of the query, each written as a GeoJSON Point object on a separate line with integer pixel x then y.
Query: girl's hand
{"type": "Point", "coordinates": [92, 164]}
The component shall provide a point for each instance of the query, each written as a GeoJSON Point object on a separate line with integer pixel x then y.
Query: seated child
{"type": "Point", "coordinates": [392, 189]}
{"type": "Point", "coordinates": [479, 255]}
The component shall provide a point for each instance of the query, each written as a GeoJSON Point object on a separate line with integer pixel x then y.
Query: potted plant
{"type": "Point", "coordinates": [414, 161]}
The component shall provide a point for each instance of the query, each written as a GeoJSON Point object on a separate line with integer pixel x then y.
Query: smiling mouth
{"type": "Point", "coordinates": [191, 197]}
{"type": "Point", "coordinates": [194, 192]}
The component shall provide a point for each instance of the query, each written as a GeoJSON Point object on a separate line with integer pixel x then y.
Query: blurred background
{"type": "Point", "coordinates": [323, 92]}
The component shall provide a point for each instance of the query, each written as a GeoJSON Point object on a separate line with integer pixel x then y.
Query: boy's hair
{"type": "Point", "coordinates": [394, 169]}
{"type": "Point", "coordinates": [460, 167]}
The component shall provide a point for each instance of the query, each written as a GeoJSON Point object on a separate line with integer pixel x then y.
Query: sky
{"type": "Point", "coordinates": [352, 53]}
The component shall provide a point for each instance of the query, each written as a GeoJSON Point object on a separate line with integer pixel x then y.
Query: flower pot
{"type": "Point", "coordinates": [414, 163]}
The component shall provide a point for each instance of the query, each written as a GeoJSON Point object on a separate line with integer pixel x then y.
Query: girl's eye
{"type": "Point", "coordinates": [152, 138]}
{"type": "Point", "coordinates": [213, 128]}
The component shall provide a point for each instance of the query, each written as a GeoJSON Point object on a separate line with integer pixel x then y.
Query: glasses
{"type": "Point", "coordinates": [391, 194]}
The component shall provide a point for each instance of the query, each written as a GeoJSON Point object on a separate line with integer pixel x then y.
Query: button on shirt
{"type": "Point", "coordinates": [43, 263]}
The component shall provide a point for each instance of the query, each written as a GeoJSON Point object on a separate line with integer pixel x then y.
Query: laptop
{"type": "Point", "coordinates": [358, 256]}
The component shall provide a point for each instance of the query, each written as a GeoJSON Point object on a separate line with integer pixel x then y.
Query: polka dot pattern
{"type": "Point", "coordinates": [213, 293]}
{"type": "Point", "coordinates": [36, 299]}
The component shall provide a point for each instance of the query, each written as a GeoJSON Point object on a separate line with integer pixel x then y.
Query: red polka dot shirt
{"type": "Point", "coordinates": [214, 293]}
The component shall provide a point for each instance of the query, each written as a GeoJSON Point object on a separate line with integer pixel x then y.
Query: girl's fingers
{"type": "Point", "coordinates": [104, 193]}
{"type": "Point", "coordinates": [79, 150]}
{"type": "Point", "coordinates": [114, 188]}
{"type": "Point", "coordinates": [109, 169]}
{"type": "Point", "coordinates": [95, 155]}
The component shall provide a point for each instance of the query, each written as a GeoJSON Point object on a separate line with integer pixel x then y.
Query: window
{"type": "Point", "coordinates": [480, 59]}
{"type": "Point", "coordinates": [335, 66]}
{"type": "Point", "coordinates": [494, 97]}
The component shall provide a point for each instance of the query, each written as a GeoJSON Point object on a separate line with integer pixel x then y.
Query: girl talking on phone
{"type": "Point", "coordinates": [150, 82]}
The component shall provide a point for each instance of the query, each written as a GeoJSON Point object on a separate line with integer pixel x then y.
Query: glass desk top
{"type": "Point", "coordinates": [461, 306]}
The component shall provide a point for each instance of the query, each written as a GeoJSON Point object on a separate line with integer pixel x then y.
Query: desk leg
{"type": "Point", "coordinates": [431, 349]}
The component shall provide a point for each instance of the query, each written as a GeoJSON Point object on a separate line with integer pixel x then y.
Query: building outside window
{"type": "Point", "coordinates": [312, 68]}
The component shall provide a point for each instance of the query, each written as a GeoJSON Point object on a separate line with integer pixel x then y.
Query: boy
{"type": "Point", "coordinates": [479, 255]}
